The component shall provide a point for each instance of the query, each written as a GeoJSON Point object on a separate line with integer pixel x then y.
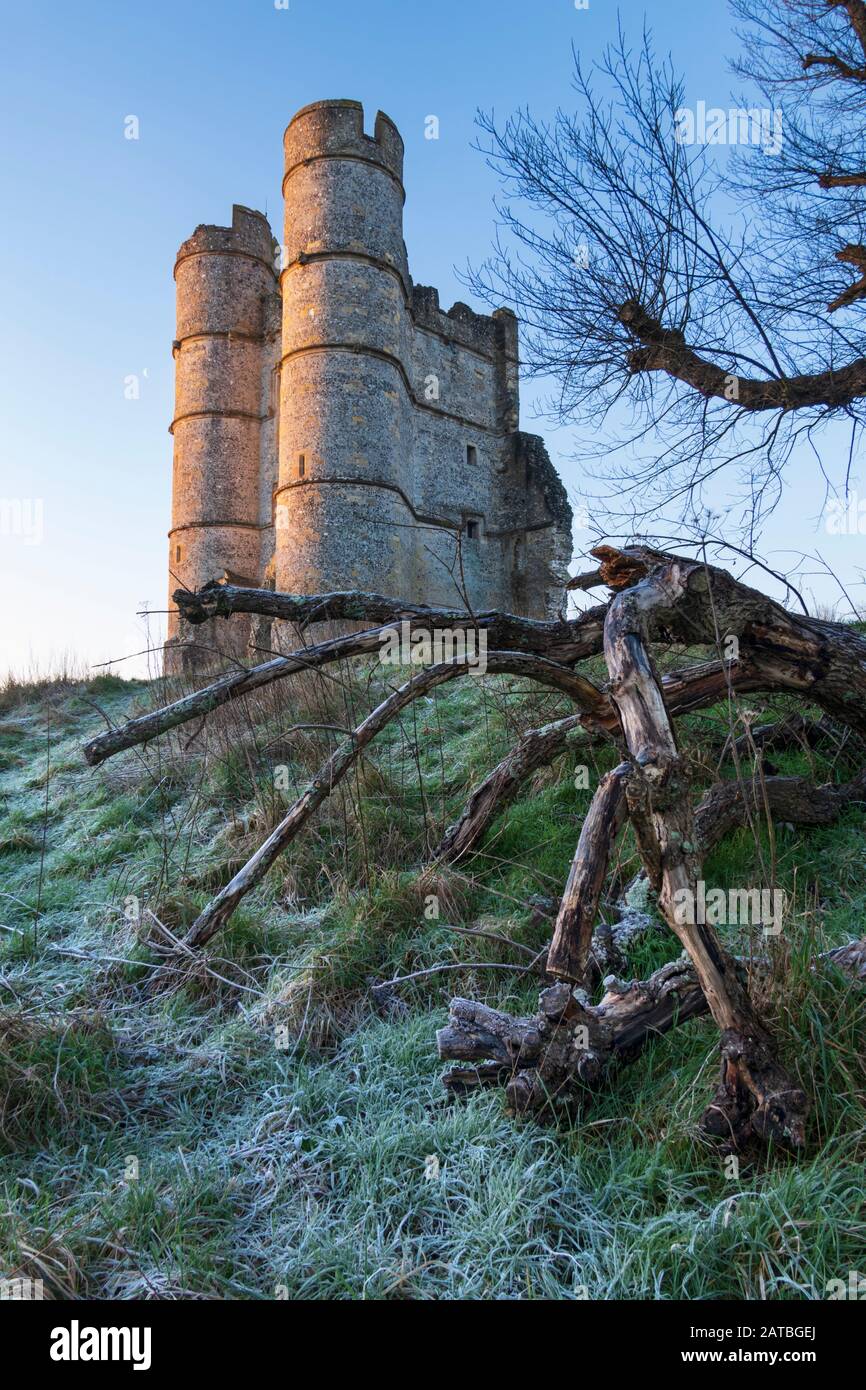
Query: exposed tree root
{"type": "Point", "coordinates": [550, 1061]}
{"type": "Point", "coordinates": [561, 1055]}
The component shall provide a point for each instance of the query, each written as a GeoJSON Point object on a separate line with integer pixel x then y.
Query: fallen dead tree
{"type": "Point", "coordinates": [657, 599]}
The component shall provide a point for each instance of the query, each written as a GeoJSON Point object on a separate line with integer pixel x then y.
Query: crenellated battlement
{"type": "Point", "coordinates": [335, 130]}
{"type": "Point", "coordinates": [249, 234]}
{"type": "Point", "coordinates": [484, 333]}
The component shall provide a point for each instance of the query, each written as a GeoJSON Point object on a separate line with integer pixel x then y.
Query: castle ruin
{"type": "Point", "coordinates": [334, 428]}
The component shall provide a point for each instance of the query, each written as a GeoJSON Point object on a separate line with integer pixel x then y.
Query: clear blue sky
{"type": "Point", "coordinates": [92, 222]}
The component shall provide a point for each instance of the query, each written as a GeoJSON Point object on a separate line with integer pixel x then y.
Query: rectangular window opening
{"type": "Point", "coordinates": [472, 530]}
{"type": "Point", "coordinates": [471, 455]}
{"type": "Point", "coordinates": [302, 465]}
{"type": "Point", "coordinates": [177, 554]}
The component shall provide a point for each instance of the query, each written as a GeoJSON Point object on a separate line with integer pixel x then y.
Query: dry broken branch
{"type": "Point", "coordinates": [572, 934]}
{"type": "Point", "coordinates": [549, 1061]}
{"type": "Point", "coordinates": [218, 912]}
{"type": "Point", "coordinates": [562, 642]}
{"type": "Point", "coordinates": [536, 748]}
{"type": "Point", "coordinates": [552, 1060]}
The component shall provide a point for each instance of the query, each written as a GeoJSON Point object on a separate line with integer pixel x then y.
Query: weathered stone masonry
{"type": "Point", "coordinates": [335, 428]}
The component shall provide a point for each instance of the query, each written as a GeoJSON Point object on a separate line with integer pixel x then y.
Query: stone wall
{"type": "Point", "coordinates": [374, 443]}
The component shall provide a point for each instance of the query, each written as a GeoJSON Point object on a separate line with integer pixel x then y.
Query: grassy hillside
{"type": "Point", "coordinates": [281, 1117]}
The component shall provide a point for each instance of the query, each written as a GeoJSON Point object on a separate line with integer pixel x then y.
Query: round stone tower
{"type": "Point", "coordinates": [226, 285]}
{"type": "Point", "coordinates": [346, 430]}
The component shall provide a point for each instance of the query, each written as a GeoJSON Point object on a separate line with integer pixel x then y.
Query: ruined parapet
{"type": "Point", "coordinates": [538, 563]}
{"type": "Point", "coordinates": [466, 411]}
{"type": "Point", "coordinates": [476, 468]}
{"type": "Point", "coordinates": [225, 290]}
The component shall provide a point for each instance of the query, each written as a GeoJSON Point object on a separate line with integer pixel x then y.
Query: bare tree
{"type": "Point", "coordinates": [709, 311]}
